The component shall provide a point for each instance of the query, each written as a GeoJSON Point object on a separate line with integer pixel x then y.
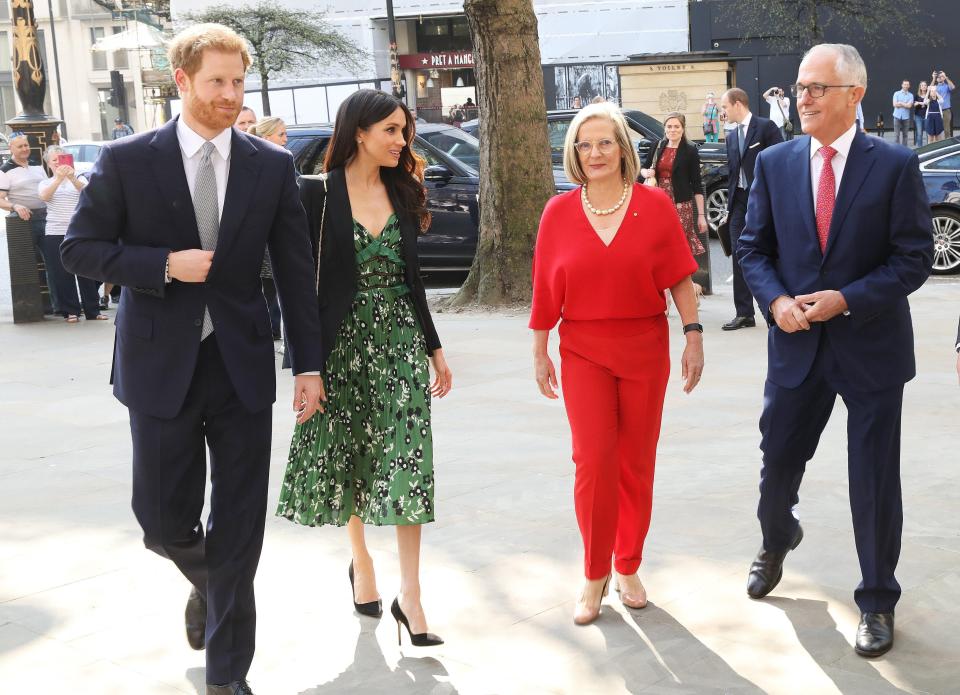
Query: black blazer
{"type": "Point", "coordinates": [338, 266]}
{"type": "Point", "coordinates": [761, 134]}
{"type": "Point", "coordinates": [685, 177]}
{"type": "Point", "coordinates": [137, 209]}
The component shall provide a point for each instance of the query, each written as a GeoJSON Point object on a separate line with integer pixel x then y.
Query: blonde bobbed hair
{"type": "Point", "coordinates": [265, 127]}
{"type": "Point", "coordinates": [629, 161]}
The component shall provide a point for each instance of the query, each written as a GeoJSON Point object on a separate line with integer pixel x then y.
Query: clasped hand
{"type": "Point", "coordinates": [308, 396]}
{"type": "Point", "coordinates": [191, 265]}
{"type": "Point", "coordinates": [797, 313]}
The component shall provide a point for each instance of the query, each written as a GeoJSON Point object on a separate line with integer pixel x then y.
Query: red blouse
{"type": "Point", "coordinates": [577, 277]}
{"type": "Point", "coordinates": [665, 165]}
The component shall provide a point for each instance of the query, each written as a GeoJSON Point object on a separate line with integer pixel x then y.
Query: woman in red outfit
{"type": "Point", "coordinates": [605, 254]}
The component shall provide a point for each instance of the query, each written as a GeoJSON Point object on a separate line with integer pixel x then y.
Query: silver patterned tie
{"type": "Point", "coordinates": [206, 207]}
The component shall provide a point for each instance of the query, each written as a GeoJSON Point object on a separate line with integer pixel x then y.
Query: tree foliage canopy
{"type": "Point", "coordinates": [799, 24]}
{"type": "Point", "coordinates": [284, 40]}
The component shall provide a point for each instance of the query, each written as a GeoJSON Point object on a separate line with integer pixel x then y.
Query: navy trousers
{"type": "Point", "coordinates": [169, 477]}
{"type": "Point", "coordinates": [66, 284]}
{"type": "Point", "coordinates": [742, 299]}
{"type": "Point", "coordinates": [791, 425]}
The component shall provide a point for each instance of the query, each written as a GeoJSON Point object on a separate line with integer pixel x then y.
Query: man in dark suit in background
{"type": "Point", "coordinates": [838, 234]}
{"type": "Point", "coordinates": [180, 217]}
{"type": "Point", "coordinates": [752, 135]}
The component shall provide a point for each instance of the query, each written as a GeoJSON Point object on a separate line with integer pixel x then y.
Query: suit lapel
{"type": "Point", "coordinates": [803, 188]}
{"type": "Point", "coordinates": [733, 154]}
{"type": "Point", "coordinates": [859, 162]}
{"type": "Point", "coordinates": [339, 219]}
{"type": "Point", "coordinates": [167, 165]}
{"type": "Point", "coordinates": [241, 185]}
{"type": "Point", "coordinates": [751, 134]}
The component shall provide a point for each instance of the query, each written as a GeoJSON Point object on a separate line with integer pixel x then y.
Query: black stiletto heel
{"type": "Point", "coordinates": [422, 639]}
{"type": "Point", "coordinates": [373, 609]}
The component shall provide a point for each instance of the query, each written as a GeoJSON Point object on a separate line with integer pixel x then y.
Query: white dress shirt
{"type": "Point", "coordinates": [190, 144]}
{"type": "Point", "coordinates": [842, 146]}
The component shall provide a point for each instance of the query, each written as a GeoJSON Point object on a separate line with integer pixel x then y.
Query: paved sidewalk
{"type": "Point", "coordinates": [85, 609]}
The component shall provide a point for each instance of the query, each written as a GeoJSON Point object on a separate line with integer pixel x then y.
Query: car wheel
{"type": "Point", "coordinates": [716, 207]}
{"type": "Point", "coordinates": [946, 242]}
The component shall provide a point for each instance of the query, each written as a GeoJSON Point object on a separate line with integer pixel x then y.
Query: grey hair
{"type": "Point", "coordinates": [850, 66]}
{"type": "Point", "coordinates": [52, 150]}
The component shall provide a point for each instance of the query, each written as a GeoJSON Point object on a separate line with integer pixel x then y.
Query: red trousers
{"type": "Point", "coordinates": [614, 376]}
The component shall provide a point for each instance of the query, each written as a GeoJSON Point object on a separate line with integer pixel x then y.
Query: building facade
{"type": "Point", "coordinates": [580, 43]}
{"type": "Point", "coordinates": [80, 78]}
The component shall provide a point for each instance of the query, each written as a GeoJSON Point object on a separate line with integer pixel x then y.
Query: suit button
{"type": "Point", "coordinates": [198, 322]}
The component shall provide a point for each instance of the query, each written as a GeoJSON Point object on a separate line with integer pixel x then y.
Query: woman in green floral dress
{"type": "Point", "coordinates": [367, 457]}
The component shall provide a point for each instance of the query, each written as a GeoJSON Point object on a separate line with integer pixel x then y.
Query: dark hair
{"type": "Point", "coordinates": [404, 182]}
{"type": "Point", "coordinates": [736, 95]}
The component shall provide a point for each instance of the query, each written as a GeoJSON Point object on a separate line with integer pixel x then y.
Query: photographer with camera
{"type": "Point", "coordinates": [944, 86]}
{"type": "Point", "coordinates": [779, 111]}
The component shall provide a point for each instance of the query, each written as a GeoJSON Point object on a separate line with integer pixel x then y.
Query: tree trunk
{"type": "Point", "coordinates": [516, 174]}
{"type": "Point", "coordinates": [264, 93]}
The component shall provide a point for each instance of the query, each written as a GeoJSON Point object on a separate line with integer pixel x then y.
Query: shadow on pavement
{"type": "Point", "coordinates": [650, 647]}
{"type": "Point", "coordinates": [820, 636]}
{"type": "Point", "coordinates": [369, 672]}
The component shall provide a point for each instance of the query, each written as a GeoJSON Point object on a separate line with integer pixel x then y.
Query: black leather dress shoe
{"type": "Point", "coordinates": [195, 618]}
{"type": "Point", "coordinates": [767, 569]}
{"type": "Point", "coordinates": [875, 634]}
{"type": "Point", "coordinates": [240, 687]}
{"type": "Point", "coordinates": [739, 322]}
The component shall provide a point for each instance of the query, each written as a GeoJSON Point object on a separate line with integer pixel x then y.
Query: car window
{"type": "Point", "coordinates": [949, 163]}
{"type": "Point", "coordinates": [308, 152]}
{"type": "Point", "coordinates": [557, 132]}
{"type": "Point", "coordinates": [457, 144]}
{"type": "Point", "coordinates": [428, 156]}
{"type": "Point", "coordinates": [75, 151]}
{"type": "Point", "coordinates": [90, 153]}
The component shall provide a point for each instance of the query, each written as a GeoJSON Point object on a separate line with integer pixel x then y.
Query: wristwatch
{"type": "Point", "coordinates": [692, 327]}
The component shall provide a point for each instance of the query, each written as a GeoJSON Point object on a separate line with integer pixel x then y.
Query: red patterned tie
{"type": "Point", "coordinates": [826, 196]}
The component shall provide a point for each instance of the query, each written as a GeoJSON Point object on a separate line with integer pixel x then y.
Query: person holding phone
{"type": "Point", "coordinates": [779, 111]}
{"type": "Point", "coordinates": [61, 193]}
{"type": "Point", "coordinates": [18, 196]}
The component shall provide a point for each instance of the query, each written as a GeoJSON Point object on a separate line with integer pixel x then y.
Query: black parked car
{"type": "Point", "coordinates": [451, 178]}
{"type": "Point", "coordinates": [453, 188]}
{"type": "Point", "coordinates": [646, 131]}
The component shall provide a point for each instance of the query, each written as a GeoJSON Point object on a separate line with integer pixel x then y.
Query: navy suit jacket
{"type": "Point", "coordinates": [880, 249]}
{"type": "Point", "coordinates": [137, 209]}
{"type": "Point", "coordinates": [761, 134]}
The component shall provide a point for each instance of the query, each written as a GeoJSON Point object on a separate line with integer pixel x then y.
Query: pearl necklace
{"type": "Point", "coordinates": [608, 211]}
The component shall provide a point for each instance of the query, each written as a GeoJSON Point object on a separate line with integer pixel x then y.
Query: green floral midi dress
{"type": "Point", "coordinates": [371, 453]}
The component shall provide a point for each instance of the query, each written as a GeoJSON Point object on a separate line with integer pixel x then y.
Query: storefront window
{"type": "Point", "coordinates": [443, 34]}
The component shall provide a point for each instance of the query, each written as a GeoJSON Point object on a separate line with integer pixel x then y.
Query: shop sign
{"type": "Point", "coordinates": [448, 60]}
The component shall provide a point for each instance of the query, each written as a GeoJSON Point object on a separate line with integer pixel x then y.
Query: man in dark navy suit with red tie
{"type": "Point", "coordinates": [180, 217]}
{"type": "Point", "coordinates": [838, 233]}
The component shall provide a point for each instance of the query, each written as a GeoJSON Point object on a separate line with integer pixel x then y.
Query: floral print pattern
{"type": "Point", "coordinates": [371, 453]}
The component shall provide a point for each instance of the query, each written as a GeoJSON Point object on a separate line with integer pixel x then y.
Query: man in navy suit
{"type": "Point", "coordinates": [752, 135]}
{"type": "Point", "coordinates": [180, 217]}
{"type": "Point", "coordinates": [838, 234]}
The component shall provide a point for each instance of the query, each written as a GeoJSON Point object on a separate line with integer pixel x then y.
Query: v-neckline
{"type": "Point", "coordinates": [375, 237]}
{"type": "Point", "coordinates": [593, 230]}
